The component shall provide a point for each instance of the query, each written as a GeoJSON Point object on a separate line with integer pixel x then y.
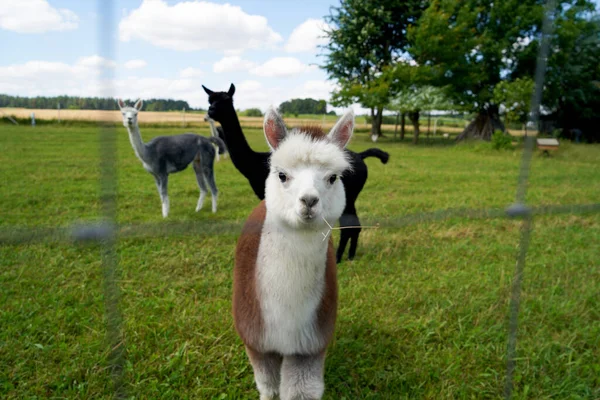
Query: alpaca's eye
{"type": "Point", "coordinates": [282, 177]}
{"type": "Point", "coordinates": [332, 179]}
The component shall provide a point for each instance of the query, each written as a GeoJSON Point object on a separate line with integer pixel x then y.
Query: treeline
{"type": "Point", "coordinates": [303, 106]}
{"type": "Point", "coordinates": [88, 103]}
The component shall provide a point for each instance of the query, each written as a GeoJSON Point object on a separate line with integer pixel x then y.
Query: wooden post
{"type": "Point", "coordinates": [183, 115]}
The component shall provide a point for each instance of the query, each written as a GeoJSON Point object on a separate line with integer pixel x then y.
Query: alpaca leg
{"type": "Point", "coordinates": [302, 377]}
{"type": "Point", "coordinates": [201, 183]}
{"type": "Point", "coordinates": [162, 182]}
{"type": "Point", "coordinates": [353, 244]}
{"type": "Point", "coordinates": [209, 175]}
{"type": "Point", "coordinates": [267, 370]}
{"type": "Point", "coordinates": [344, 237]}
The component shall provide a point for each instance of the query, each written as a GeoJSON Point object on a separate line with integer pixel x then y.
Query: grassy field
{"type": "Point", "coordinates": [423, 308]}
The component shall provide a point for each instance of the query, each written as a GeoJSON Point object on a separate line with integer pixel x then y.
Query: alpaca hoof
{"type": "Point", "coordinates": [198, 208]}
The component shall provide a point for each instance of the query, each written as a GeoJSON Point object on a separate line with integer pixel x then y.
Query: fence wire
{"type": "Point", "coordinates": [107, 232]}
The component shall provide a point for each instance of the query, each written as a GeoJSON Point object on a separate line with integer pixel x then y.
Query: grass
{"type": "Point", "coordinates": [423, 309]}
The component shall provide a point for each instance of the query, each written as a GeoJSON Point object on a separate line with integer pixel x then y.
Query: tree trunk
{"type": "Point", "coordinates": [376, 118]}
{"type": "Point", "coordinates": [414, 118]}
{"type": "Point", "coordinates": [402, 130]}
{"type": "Point", "coordinates": [396, 127]}
{"type": "Point", "coordinates": [483, 126]}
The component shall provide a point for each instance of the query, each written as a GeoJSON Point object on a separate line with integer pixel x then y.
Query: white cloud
{"type": "Point", "coordinates": [232, 64]}
{"type": "Point", "coordinates": [281, 67]}
{"type": "Point", "coordinates": [35, 16]}
{"type": "Point", "coordinates": [197, 25]}
{"type": "Point", "coordinates": [96, 61]}
{"type": "Point", "coordinates": [316, 89]}
{"type": "Point", "coordinates": [84, 78]}
{"type": "Point", "coordinates": [191, 72]}
{"type": "Point", "coordinates": [252, 93]}
{"type": "Point", "coordinates": [134, 64]}
{"type": "Point", "coordinates": [275, 67]}
{"type": "Point", "coordinates": [307, 36]}
{"type": "Point", "coordinates": [44, 78]}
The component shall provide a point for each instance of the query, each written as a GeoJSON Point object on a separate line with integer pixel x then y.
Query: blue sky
{"type": "Point", "coordinates": [165, 48]}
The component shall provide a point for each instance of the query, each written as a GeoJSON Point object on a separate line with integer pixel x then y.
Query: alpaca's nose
{"type": "Point", "coordinates": [309, 201]}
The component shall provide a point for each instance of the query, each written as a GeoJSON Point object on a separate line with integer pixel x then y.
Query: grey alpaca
{"type": "Point", "coordinates": [166, 155]}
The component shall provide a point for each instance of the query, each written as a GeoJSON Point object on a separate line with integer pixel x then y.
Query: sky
{"type": "Point", "coordinates": [165, 49]}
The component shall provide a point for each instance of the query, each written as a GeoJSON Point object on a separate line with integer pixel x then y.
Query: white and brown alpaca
{"type": "Point", "coordinates": [285, 285]}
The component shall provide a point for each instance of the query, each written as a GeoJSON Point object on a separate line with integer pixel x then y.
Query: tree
{"type": "Point", "coordinates": [571, 90]}
{"type": "Point", "coordinates": [254, 112]}
{"type": "Point", "coordinates": [416, 99]}
{"type": "Point", "coordinates": [473, 46]}
{"type": "Point", "coordinates": [303, 106]}
{"type": "Point", "coordinates": [366, 37]}
{"type": "Point", "coordinates": [515, 97]}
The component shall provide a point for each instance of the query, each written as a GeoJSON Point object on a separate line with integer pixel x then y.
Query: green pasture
{"type": "Point", "coordinates": [423, 308]}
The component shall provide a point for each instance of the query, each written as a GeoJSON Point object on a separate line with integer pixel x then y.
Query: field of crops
{"type": "Point", "coordinates": [196, 119]}
{"type": "Point", "coordinates": [423, 308]}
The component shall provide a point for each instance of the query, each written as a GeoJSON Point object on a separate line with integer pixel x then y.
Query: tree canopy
{"type": "Point", "coordinates": [88, 103]}
{"type": "Point", "coordinates": [303, 106]}
{"type": "Point", "coordinates": [366, 38]}
{"type": "Point", "coordinates": [474, 46]}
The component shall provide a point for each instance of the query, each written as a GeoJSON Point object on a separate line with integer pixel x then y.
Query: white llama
{"type": "Point", "coordinates": [165, 155]}
{"type": "Point", "coordinates": [285, 284]}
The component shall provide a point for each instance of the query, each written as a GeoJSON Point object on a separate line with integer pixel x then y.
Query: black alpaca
{"type": "Point", "coordinates": [255, 165]}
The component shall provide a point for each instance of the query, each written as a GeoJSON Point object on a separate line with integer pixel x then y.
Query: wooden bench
{"type": "Point", "coordinates": [547, 145]}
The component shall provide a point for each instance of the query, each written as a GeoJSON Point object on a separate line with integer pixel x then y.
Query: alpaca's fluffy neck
{"type": "Point", "coordinates": [238, 147]}
{"type": "Point", "coordinates": [137, 143]}
{"type": "Point", "coordinates": [253, 165]}
{"type": "Point", "coordinates": [213, 129]}
{"type": "Point", "coordinates": [291, 265]}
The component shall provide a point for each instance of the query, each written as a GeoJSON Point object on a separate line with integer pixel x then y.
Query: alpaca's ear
{"type": "Point", "coordinates": [274, 127]}
{"type": "Point", "coordinates": [138, 104]}
{"type": "Point", "coordinates": [231, 90]}
{"type": "Point", "coordinates": [120, 103]}
{"type": "Point", "coordinates": [207, 90]}
{"type": "Point", "coordinates": [341, 133]}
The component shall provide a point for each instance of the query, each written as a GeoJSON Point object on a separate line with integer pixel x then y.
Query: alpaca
{"type": "Point", "coordinates": [215, 131]}
{"type": "Point", "coordinates": [255, 165]}
{"type": "Point", "coordinates": [165, 155]}
{"type": "Point", "coordinates": [285, 284]}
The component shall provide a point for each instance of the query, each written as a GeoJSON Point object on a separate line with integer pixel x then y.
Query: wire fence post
{"type": "Point", "coordinates": [108, 198]}
{"type": "Point", "coordinates": [519, 209]}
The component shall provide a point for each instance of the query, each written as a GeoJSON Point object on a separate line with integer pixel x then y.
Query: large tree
{"type": "Point", "coordinates": [474, 45]}
{"type": "Point", "coordinates": [365, 38]}
{"type": "Point", "coordinates": [572, 90]}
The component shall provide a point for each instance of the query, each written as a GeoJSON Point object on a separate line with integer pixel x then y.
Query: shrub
{"type": "Point", "coordinates": [501, 141]}
{"type": "Point", "coordinates": [254, 112]}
